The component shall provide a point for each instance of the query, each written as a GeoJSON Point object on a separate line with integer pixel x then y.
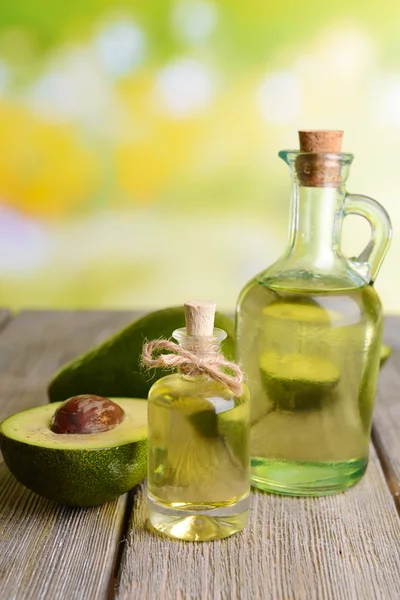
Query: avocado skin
{"type": "Point", "coordinates": [76, 477]}
{"type": "Point", "coordinates": [113, 368]}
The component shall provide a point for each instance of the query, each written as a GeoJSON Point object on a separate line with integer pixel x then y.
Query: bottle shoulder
{"type": "Point", "coordinates": [329, 307]}
{"type": "Point", "coordinates": [172, 388]}
{"type": "Point", "coordinates": [295, 278]}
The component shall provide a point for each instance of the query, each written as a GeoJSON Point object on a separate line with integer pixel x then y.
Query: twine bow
{"type": "Point", "coordinates": [191, 363]}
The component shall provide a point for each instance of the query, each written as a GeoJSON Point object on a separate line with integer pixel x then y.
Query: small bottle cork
{"type": "Point", "coordinates": [200, 318]}
{"type": "Point", "coordinates": [321, 141]}
{"type": "Point", "coordinates": [317, 165]}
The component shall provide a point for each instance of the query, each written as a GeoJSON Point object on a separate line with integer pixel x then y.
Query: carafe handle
{"type": "Point", "coordinates": [368, 263]}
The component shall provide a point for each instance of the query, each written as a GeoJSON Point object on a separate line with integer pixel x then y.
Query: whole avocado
{"type": "Point", "coordinates": [113, 369]}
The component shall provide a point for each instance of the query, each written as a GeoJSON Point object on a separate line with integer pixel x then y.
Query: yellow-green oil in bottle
{"type": "Point", "coordinates": [199, 458]}
{"type": "Point", "coordinates": [311, 358]}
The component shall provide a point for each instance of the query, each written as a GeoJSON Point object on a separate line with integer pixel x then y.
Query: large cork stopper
{"type": "Point", "coordinates": [200, 318]}
{"type": "Point", "coordinates": [321, 141]}
{"type": "Point", "coordinates": [315, 166]}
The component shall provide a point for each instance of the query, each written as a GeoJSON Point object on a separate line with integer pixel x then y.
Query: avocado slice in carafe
{"type": "Point", "coordinates": [301, 310]}
{"type": "Point", "coordinates": [298, 381]}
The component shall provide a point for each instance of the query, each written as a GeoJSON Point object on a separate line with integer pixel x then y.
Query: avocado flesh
{"type": "Point", "coordinates": [113, 368]}
{"type": "Point", "coordinates": [386, 351]}
{"type": "Point", "coordinates": [79, 470]}
{"type": "Point", "coordinates": [307, 312]}
{"type": "Point", "coordinates": [296, 381]}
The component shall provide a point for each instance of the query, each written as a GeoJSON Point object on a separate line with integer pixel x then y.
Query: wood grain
{"type": "Point", "coordinates": [386, 428]}
{"type": "Point", "coordinates": [48, 551]}
{"type": "Point", "coordinates": [338, 547]}
{"type": "Point", "coordinates": [5, 317]}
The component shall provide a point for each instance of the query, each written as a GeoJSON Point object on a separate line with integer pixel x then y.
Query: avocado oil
{"type": "Point", "coordinates": [198, 448]}
{"type": "Point", "coordinates": [312, 363]}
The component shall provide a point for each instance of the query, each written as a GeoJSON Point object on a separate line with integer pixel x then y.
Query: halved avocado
{"type": "Point", "coordinates": [297, 381]}
{"type": "Point", "coordinates": [76, 469]}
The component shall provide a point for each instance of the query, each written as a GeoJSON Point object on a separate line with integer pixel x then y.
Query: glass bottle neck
{"type": "Point", "coordinates": [315, 224]}
{"type": "Point", "coordinates": [202, 345]}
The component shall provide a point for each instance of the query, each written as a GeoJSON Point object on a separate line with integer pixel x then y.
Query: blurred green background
{"type": "Point", "coordinates": [139, 140]}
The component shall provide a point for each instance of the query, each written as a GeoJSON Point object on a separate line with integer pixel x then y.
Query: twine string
{"type": "Point", "coordinates": [190, 363]}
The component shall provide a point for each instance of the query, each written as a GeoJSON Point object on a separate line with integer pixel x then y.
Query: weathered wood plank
{"type": "Point", "coordinates": [48, 551]}
{"type": "Point", "coordinates": [51, 551]}
{"type": "Point", "coordinates": [386, 419]}
{"type": "Point", "coordinates": [342, 547]}
{"type": "Point", "coordinates": [5, 317]}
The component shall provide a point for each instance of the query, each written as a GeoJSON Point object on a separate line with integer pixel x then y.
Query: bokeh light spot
{"type": "Point", "coordinates": [385, 99]}
{"type": "Point", "coordinates": [279, 98]}
{"type": "Point", "coordinates": [24, 244]}
{"type": "Point", "coordinates": [345, 52]}
{"type": "Point", "coordinates": [194, 20]}
{"type": "Point", "coordinates": [184, 87]}
{"type": "Point", "coordinates": [74, 88]}
{"type": "Point", "coordinates": [120, 47]}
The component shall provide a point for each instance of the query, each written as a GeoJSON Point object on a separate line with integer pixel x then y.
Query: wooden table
{"type": "Point", "coordinates": [339, 547]}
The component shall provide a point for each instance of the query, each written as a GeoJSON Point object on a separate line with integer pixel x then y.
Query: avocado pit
{"type": "Point", "coordinates": [86, 414]}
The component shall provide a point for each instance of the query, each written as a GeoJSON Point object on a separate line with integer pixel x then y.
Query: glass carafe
{"type": "Point", "coordinates": [308, 338]}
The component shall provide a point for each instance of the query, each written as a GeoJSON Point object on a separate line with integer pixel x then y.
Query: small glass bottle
{"type": "Point", "coordinates": [198, 444]}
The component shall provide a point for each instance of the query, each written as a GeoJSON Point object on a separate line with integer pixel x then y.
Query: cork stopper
{"type": "Point", "coordinates": [200, 318]}
{"type": "Point", "coordinates": [317, 165]}
{"type": "Point", "coordinates": [321, 141]}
